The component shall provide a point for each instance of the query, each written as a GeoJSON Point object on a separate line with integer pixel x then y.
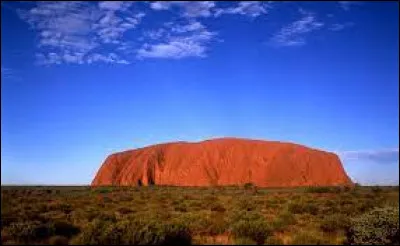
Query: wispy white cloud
{"type": "Point", "coordinates": [338, 27]}
{"type": "Point", "coordinates": [187, 8]}
{"type": "Point", "coordinates": [380, 156]}
{"type": "Point", "coordinates": [71, 32]}
{"type": "Point", "coordinates": [193, 26]}
{"type": "Point", "coordinates": [178, 41]}
{"type": "Point", "coordinates": [112, 27]}
{"type": "Point", "coordinates": [88, 32]}
{"type": "Point", "coordinates": [153, 34]}
{"type": "Point", "coordinates": [294, 33]}
{"type": "Point", "coordinates": [48, 58]}
{"type": "Point", "coordinates": [161, 5]}
{"type": "Point", "coordinates": [5, 71]}
{"type": "Point", "coordinates": [109, 58]}
{"type": "Point", "coordinates": [114, 5]}
{"type": "Point", "coordinates": [346, 5]}
{"type": "Point", "coordinates": [8, 73]}
{"type": "Point", "coordinates": [248, 8]}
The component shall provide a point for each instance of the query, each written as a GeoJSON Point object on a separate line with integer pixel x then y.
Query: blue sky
{"type": "Point", "coordinates": [80, 80]}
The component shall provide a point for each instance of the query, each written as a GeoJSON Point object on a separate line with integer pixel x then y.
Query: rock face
{"type": "Point", "coordinates": [224, 161]}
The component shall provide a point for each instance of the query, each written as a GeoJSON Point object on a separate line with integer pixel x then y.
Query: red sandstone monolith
{"type": "Point", "coordinates": [224, 161]}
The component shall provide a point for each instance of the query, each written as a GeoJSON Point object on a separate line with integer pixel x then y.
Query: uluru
{"type": "Point", "coordinates": [223, 161]}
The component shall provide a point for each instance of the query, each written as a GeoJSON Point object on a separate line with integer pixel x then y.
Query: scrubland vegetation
{"type": "Point", "coordinates": [182, 216]}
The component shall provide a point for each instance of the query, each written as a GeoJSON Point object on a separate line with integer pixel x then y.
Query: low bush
{"type": "Point", "coordinates": [248, 186]}
{"type": "Point", "coordinates": [209, 200]}
{"type": "Point", "coordinates": [316, 189]}
{"type": "Point", "coordinates": [376, 190]}
{"type": "Point", "coordinates": [103, 190]}
{"type": "Point", "coordinates": [302, 207]}
{"type": "Point", "coordinates": [124, 210]}
{"type": "Point", "coordinates": [58, 240]}
{"type": "Point", "coordinates": [379, 226]}
{"type": "Point", "coordinates": [181, 208]}
{"type": "Point", "coordinates": [255, 228]}
{"type": "Point", "coordinates": [30, 231]}
{"type": "Point", "coordinates": [217, 208]}
{"type": "Point", "coordinates": [246, 204]}
{"type": "Point", "coordinates": [362, 207]}
{"type": "Point", "coordinates": [7, 219]}
{"type": "Point", "coordinates": [308, 238]}
{"type": "Point", "coordinates": [244, 241]}
{"type": "Point", "coordinates": [63, 228]}
{"type": "Point", "coordinates": [95, 232]}
{"type": "Point", "coordinates": [195, 204]}
{"type": "Point", "coordinates": [137, 231]}
{"type": "Point", "coordinates": [273, 241]}
{"type": "Point", "coordinates": [60, 206]}
{"type": "Point", "coordinates": [196, 222]}
{"type": "Point", "coordinates": [335, 222]}
{"type": "Point", "coordinates": [217, 224]}
{"type": "Point", "coordinates": [283, 221]}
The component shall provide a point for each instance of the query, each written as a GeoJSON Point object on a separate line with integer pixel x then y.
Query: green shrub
{"type": "Point", "coordinates": [177, 202]}
{"type": "Point", "coordinates": [244, 241]}
{"type": "Point", "coordinates": [58, 240]}
{"type": "Point", "coordinates": [370, 196]}
{"type": "Point", "coordinates": [197, 222]}
{"type": "Point", "coordinates": [95, 232]}
{"type": "Point", "coordinates": [7, 219]}
{"type": "Point", "coordinates": [346, 201]}
{"type": "Point", "coordinates": [27, 215]}
{"type": "Point", "coordinates": [273, 241]}
{"type": "Point", "coordinates": [283, 220]}
{"type": "Point", "coordinates": [217, 224]}
{"type": "Point", "coordinates": [63, 228]}
{"type": "Point", "coordinates": [317, 189]}
{"type": "Point", "coordinates": [256, 229]}
{"type": "Point", "coordinates": [218, 208]}
{"type": "Point", "coordinates": [376, 190]}
{"type": "Point", "coordinates": [42, 208]}
{"type": "Point", "coordinates": [105, 216]}
{"type": "Point", "coordinates": [60, 206]}
{"type": "Point", "coordinates": [124, 210]}
{"type": "Point", "coordinates": [237, 214]}
{"type": "Point", "coordinates": [295, 208]}
{"type": "Point", "coordinates": [330, 207]}
{"type": "Point", "coordinates": [30, 231]}
{"type": "Point", "coordinates": [154, 232]}
{"type": "Point", "coordinates": [363, 206]}
{"type": "Point", "coordinates": [209, 200]}
{"type": "Point", "coordinates": [248, 186]}
{"type": "Point", "coordinates": [181, 207]}
{"type": "Point", "coordinates": [246, 204]}
{"type": "Point", "coordinates": [137, 231]}
{"type": "Point", "coordinates": [194, 204]}
{"type": "Point", "coordinates": [187, 197]}
{"type": "Point", "coordinates": [347, 188]}
{"type": "Point", "coordinates": [302, 207]}
{"type": "Point", "coordinates": [308, 238]}
{"type": "Point", "coordinates": [103, 190]}
{"type": "Point", "coordinates": [335, 222]}
{"type": "Point", "coordinates": [125, 198]}
{"type": "Point", "coordinates": [379, 226]}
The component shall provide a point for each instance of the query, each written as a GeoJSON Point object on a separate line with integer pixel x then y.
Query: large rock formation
{"type": "Point", "coordinates": [224, 161]}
